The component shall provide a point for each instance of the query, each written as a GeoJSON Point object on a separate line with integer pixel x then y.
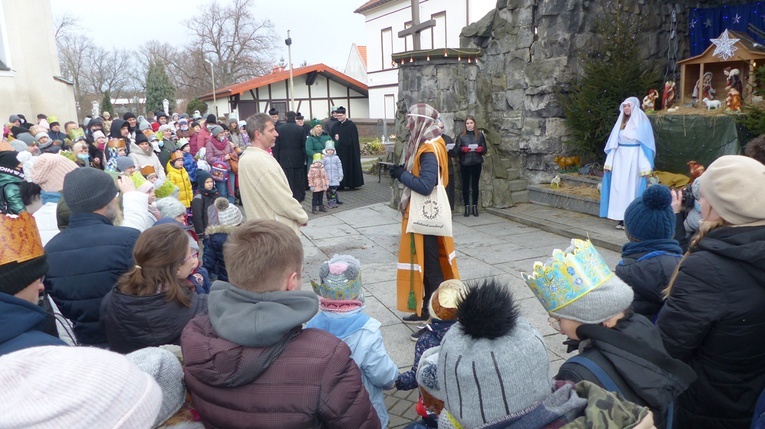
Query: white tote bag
{"type": "Point", "coordinates": [430, 214]}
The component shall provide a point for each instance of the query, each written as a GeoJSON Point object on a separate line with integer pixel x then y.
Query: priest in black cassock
{"type": "Point", "coordinates": [346, 137]}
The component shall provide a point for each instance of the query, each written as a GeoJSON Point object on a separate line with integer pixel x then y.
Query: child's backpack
{"type": "Point", "coordinates": [219, 171]}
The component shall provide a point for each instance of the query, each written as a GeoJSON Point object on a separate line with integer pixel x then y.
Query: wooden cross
{"type": "Point", "coordinates": [417, 26]}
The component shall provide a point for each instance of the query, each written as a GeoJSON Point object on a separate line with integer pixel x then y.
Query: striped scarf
{"type": "Point", "coordinates": [421, 121]}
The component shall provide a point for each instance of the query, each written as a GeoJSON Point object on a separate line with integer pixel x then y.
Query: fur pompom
{"type": "Point", "coordinates": [221, 204]}
{"type": "Point", "coordinates": [487, 310]}
{"type": "Point", "coordinates": [657, 197]}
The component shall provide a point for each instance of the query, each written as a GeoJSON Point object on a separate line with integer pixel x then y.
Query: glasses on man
{"type": "Point", "coordinates": [193, 255]}
{"type": "Point", "coordinates": [554, 323]}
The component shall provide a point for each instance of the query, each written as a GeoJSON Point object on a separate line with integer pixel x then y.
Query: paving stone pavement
{"type": "Point", "coordinates": [488, 245]}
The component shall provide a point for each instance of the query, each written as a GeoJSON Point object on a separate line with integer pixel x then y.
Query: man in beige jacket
{"type": "Point", "coordinates": [265, 191]}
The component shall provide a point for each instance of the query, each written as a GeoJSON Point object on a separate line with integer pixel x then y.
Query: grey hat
{"type": "Point", "coordinates": [144, 125]}
{"type": "Point", "coordinates": [228, 214]}
{"type": "Point", "coordinates": [14, 118]}
{"type": "Point", "coordinates": [19, 145]}
{"type": "Point", "coordinates": [88, 189]}
{"type": "Point", "coordinates": [170, 207]}
{"type": "Point", "coordinates": [27, 138]}
{"type": "Point", "coordinates": [123, 163]}
{"type": "Point", "coordinates": [491, 363]}
{"type": "Point", "coordinates": [167, 371]}
{"type": "Point", "coordinates": [600, 304]}
{"type": "Point", "coordinates": [215, 130]}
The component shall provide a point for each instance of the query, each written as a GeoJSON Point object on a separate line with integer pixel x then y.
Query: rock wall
{"type": "Point", "coordinates": [530, 50]}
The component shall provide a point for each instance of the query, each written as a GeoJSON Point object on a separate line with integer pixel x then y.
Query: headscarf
{"type": "Point", "coordinates": [421, 121]}
{"type": "Point", "coordinates": [638, 128]}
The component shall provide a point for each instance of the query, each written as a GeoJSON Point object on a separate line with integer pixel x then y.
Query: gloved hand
{"type": "Point", "coordinates": [479, 149]}
{"type": "Point", "coordinates": [465, 149]}
{"type": "Point", "coordinates": [396, 171]}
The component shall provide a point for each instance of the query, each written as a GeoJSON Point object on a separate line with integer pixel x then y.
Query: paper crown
{"type": "Point", "coordinates": [147, 170]}
{"type": "Point", "coordinates": [176, 155]}
{"type": "Point", "coordinates": [74, 133]}
{"type": "Point", "coordinates": [568, 275]}
{"type": "Point", "coordinates": [118, 143]}
{"type": "Point", "coordinates": [19, 239]}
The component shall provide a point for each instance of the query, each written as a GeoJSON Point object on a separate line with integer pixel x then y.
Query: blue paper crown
{"type": "Point", "coordinates": [568, 275]}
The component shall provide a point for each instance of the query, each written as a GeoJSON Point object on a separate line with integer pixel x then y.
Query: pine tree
{"type": "Point", "coordinates": [196, 104]}
{"type": "Point", "coordinates": [611, 73]}
{"type": "Point", "coordinates": [106, 103]}
{"type": "Point", "coordinates": [158, 87]}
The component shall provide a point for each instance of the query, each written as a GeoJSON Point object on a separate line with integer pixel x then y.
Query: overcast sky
{"type": "Point", "coordinates": [321, 31]}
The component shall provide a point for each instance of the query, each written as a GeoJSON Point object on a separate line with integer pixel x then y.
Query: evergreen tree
{"type": "Point", "coordinates": [106, 103]}
{"type": "Point", "coordinates": [196, 104]}
{"type": "Point", "coordinates": [753, 119]}
{"type": "Point", "coordinates": [158, 88]}
{"type": "Point", "coordinates": [610, 73]}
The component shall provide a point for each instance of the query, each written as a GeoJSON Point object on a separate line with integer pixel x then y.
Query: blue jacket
{"type": "Point", "coordinates": [85, 261]}
{"type": "Point", "coordinates": [22, 324]}
{"type": "Point", "coordinates": [362, 334]}
{"type": "Point", "coordinates": [191, 167]}
{"type": "Point", "coordinates": [212, 260]}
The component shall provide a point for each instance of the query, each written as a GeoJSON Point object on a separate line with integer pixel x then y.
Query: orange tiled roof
{"type": "Point", "coordinates": [363, 53]}
{"type": "Point", "coordinates": [281, 75]}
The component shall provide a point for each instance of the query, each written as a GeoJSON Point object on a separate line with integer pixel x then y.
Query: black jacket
{"type": "Point", "coordinates": [134, 322]}
{"type": "Point", "coordinates": [464, 140]}
{"type": "Point", "coordinates": [348, 149]}
{"type": "Point", "coordinates": [714, 320]}
{"type": "Point", "coordinates": [84, 263]}
{"type": "Point", "coordinates": [633, 355]}
{"type": "Point", "coordinates": [648, 274]}
{"type": "Point", "coordinates": [289, 149]}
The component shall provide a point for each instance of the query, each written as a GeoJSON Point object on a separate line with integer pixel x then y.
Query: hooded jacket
{"type": "Point", "coordinates": [114, 130]}
{"type": "Point", "coordinates": [23, 324]}
{"type": "Point", "coordinates": [633, 355]}
{"type": "Point", "coordinates": [248, 360]}
{"type": "Point", "coordinates": [213, 262]}
{"type": "Point", "coordinates": [647, 271]}
{"type": "Point", "coordinates": [135, 322]}
{"type": "Point", "coordinates": [714, 321]}
{"type": "Point", "coordinates": [201, 202]}
{"type": "Point", "coordinates": [180, 178]}
{"type": "Point", "coordinates": [142, 159]}
{"type": "Point", "coordinates": [10, 194]}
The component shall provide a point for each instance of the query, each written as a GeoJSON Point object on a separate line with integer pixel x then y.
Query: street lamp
{"type": "Point", "coordinates": [212, 73]}
{"type": "Point", "coordinates": [288, 42]}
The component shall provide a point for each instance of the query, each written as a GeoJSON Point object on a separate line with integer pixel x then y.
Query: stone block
{"type": "Point", "coordinates": [502, 196]}
{"type": "Point", "coordinates": [556, 127]}
{"type": "Point", "coordinates": [546, 72]}
{"type": "Point", "coordinates": [520, 197]}
{"type": "Point", "coordinates": [515, 99]}
{"type": "Point", "coordinates": [513, 173]}
{"type": "Point", "coordinates": [533, 127]}
{"type": "Point", "coordinates": [553, 7]}
{"type": "Point", "coordinates": [517, 185]}
{"type": "Point", "coordinates": [525, 37]}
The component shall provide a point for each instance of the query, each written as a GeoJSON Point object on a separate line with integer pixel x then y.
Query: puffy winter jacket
{"type": "Point", "coordinates": [85, 261]}
{"type": "Point", "coordinates": [312, 384]}
{"type": "Point", "coordinates": [334, 169]}
{"type": "Point", "coordinates": [648, 274]}
{"type": "Point", "coordinates": [190, 164]}
{"type": "Point", "coordinates": [180, 178]}
{"type": "Point", "coordinates": [714, 321]}
{"type": "Point", "coordinates": [10, 194]}
{"type": "Point", "coordinates": [141, 159]}
{"type": "Point", "coordinates": [213, 262]}
{"type": "Point", "coordinates": [472, 157]}
{"type": "Point", "coordinates": [134, 322]}
{"type": "Point", "coordinates": [23, 324]}
{"type": "Point", "coordinates": [314, 145]}
{"type": "Point", "coordinates": [434, 333]}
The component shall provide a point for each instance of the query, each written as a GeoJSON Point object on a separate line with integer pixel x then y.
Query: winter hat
{"type": "Point", "coordinates": [166, 370]}
{"type": "Point", "coordinates": [98, 134]}
{"type": "Point", "coordinates": [128, 115]}
{"type": "Point", "coordinates": [273, 112]}
{"type": "Point", "coordinates": [155, 126]}
{"type": "Point", "coordinates": [182, 143]}
{"type": "Point", "coordinates": [13, 118]}
{"type": "Point", "coordinates": [88, 189]}
{"type": "Point", "coordinates": [492, 363]}
{"type": "Point", "coordinates": [110, 391]}
{"type": "Point", "coordinates": [9, 159]}
{"type": "Point", "coordinates": [733, 186]}
{"type": "Point", "coordinates": [211, 119]}
{"type": "Point", "coordinates": [650, 216]}
{"type": "Point", "coordinates": [123, 163]}
{"type": "Point", "coordinates": [299, 115]}
{"type": "Point", "coordinates": [141, 138]}
{"type": "Point", "coordinates": [315, 122]}
{"type": "Point", "coordinates": [40, 135]}
{"type": "Point", "coordinates": [215, 130]}
{"type": "Point", "coordinates": [170, 207]}
{"type": "Point", "coordinates": [577, 284]}
{"type": "Point", "coordinates": [228, 214]}
{"type": "Point", "coordinates": [339, 289]}
{"type": "Point", "coordinates": [153, 138]}
{"type": "Point", "coordinates": [27, 138]}
{"type": "Point", "coordinates": [22, 258]}
{"type": "Point", "coordinates": [19, 145]}
{"type": "Point", "coordinates": [317, 157]}
{"type": "Point", "coordinates": [443, 302]}
{"type": "Point", "coordinates": [162, 128]}
{"type": "Point", "coordinates": [340, 109]}
{"type": "Point", "coordinates": [242, 124]}
{"type": "Point", "coordinates": [161, 115]}
{"type": "Point", "coordinates": [329, 145]}
{"type": "Point", "coordinates": [202, 177]}
{"type": "Point", "coordinates": [49, 171]}
{"type": "Point", "coordinates": [144, 125]}
{"type": "Point", "coordinates": [145, 187]}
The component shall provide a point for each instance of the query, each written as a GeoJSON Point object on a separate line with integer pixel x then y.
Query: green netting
{"type": "Point", "coordinates": [681, 138]}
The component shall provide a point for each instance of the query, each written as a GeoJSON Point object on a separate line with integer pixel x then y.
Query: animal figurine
{"type": "Point", "coordinates": [696, 170]}
{"type": "Point", "coordinates": [565, 161]}
{"type": "Point", "coordinates": [668, 97]}
{"type": "Point", "coordinates": [649, 101]}
{"type": "Point", "coordinates": [712, 104]}
{"type": "Point", "coordinates": [555, 182]}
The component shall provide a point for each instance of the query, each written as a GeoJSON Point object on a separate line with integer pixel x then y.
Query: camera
{"type": "Point", "coordinates": [688, 200]}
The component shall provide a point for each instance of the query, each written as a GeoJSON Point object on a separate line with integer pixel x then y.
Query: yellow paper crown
{"type": "Point", "coordinates": [568, 275]}
{"type": "Point", "coordinates": [19, 239]}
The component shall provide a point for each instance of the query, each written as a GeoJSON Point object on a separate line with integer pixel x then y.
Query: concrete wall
{"type": "Point", "coordinates": [26, 30]}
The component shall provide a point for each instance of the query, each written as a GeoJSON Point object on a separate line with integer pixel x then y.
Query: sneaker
{"type": "Point", "coordinates": [414, 318]}
{"type": "Point", "coordinates": [322, 208]}
{"type": "Point", "coordinates": [620, 225]}
{"type": "Point", "coordinates": [420, 330]}
{"type": "Point", "coordinates": [315, 211]}
{"type": "Point", "coordinates": [339, 202]}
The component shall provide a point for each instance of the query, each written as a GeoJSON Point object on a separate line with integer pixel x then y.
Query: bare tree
{"type": "Point", "coordinates": [239, 46]}
{"type": "Point", "coordinates": [108, 71]}
{"type": "Point", "coordinates": [64, 25]}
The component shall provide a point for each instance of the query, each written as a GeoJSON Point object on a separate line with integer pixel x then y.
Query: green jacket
{"type": "Point", "coordinates": [314, 145]}
{"type": "Point", "coordinates": [10, 195]}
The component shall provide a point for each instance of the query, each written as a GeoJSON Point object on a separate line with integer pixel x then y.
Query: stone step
{"type": "Point", "coordinates": [518, 185]}
{"type": "Point", "coordinates": [549, 197]}
{"type": "Point", "coordinates": [513, 173]}
{"type": "Point", "coordinates": [520, 196]}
